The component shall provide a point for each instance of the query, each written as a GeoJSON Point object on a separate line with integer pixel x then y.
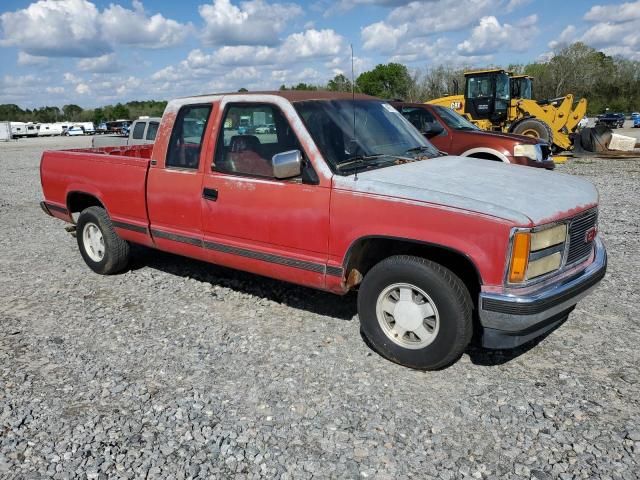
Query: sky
{"type": "Point", "coordinates": [93, 52]}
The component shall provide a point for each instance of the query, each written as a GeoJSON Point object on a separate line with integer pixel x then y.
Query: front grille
{"type": "Point", "coordinates": [579, 249]}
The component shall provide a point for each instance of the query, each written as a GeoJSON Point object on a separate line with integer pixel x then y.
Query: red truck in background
{"type": "Point", "coordinates": [452, 133]}
{"type": "Point", "coordinates": [342, 193]}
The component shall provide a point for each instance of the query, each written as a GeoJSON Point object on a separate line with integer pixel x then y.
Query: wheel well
{"type": "Point", "coordinates": [367, 252]}
{"type": "Point", "coordinates": [78, 201]}
{"type": "Point", "coordinates": [485, 156]}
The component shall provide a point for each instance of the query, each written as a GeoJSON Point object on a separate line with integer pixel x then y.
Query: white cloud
{"type": "Point", "coordinates": [618, 13]}
{"type": "Point", "coordinates": [615, 29]}
{"type": "Point", "coordinates": [134, 27]}
{"type": "Point", "coordinates": [567, 36]}
{"type": "Point", "coordinates": [382, 37]}
{"type": "Point", "coordinates": [55, 28]}
{"type": "Point", "coordinates": [515, 4]}
{"type": "Point", "coordinates": [420, 19]}
{"type": "Point", "coordinates": [82, 89]}
{"type": "Point", "coordinates": [490, 36]}
{"type": "Point", "coordinates": [301, 57]}
{"type": "Point", "coordinates": [312, 43]}
{"type": "Point", "coordinates": [26, 59]}
{"type": "Point", "coordinates": [76, 28]}
{"type": "Point", "coordinates": [254, 22]}
{"type": "Point", "coordinates": [104, 64]}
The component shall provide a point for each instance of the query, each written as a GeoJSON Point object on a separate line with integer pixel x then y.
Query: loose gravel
{"type": "Point", "coordinates": [179, 369]}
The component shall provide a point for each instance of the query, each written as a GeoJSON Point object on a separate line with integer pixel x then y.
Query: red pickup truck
{"type": "Point", "coordinates": [343, 193]}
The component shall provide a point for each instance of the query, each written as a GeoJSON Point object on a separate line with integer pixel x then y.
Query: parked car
{"type": "Point", "coordinates": [143, 131]}
{"type": "Point", "coordinates": [73, 131]}
{"type": "Point", "coordinates": [263, 129]}
{"type": "Point", "coordinates": [611, 120]}
{"type": "Point", "coordinates": [438, 248]}
{"type": "Point", "coordinates": [636, 122]}
{"type": "Point", "coordinates": [454, 134]}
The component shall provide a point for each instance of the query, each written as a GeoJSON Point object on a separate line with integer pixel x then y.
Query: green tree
{"type": "Point", "coordinates": [120, 112]}
{"type": "Point", "coordinates": [98, 116]}
{"type": "Point", "coordinates": [391, 80]}
{"type": "Point", "coordinates": [72, 112]}
{"type": "Point", "coordinates": [339, 83]}
{"type": "Point", "coordinates": [242, 90]}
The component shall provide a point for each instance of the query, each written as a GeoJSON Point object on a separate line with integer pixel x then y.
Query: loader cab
{"type": "Point", "coordinates": [522, 87]}
{"type": "Point", "coordinates": [487, 95]}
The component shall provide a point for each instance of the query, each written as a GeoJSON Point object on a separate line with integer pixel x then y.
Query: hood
{"type": "Point", "coordinates": [523, 195]}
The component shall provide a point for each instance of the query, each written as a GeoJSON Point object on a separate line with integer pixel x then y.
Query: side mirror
{"type": "Point", "coordinates": [433, 130]}
{"type": "Point", "coordinates": [287, 164]}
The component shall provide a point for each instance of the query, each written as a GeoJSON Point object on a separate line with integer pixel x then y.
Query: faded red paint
{"type": "Point", "coordinates": [309, 225]}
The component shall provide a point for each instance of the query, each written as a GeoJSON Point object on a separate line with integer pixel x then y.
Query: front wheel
{"type": "Point", "coordinates": [535, 128]}
{"type": "Point", "coordinates": [100, 246]}
{"type": "Point", "coordinates": [415, 312]}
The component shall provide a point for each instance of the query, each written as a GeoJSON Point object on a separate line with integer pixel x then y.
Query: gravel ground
{"type": "Point", "coordinates": [178, 369]}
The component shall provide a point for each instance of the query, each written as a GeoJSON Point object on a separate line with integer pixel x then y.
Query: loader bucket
{"type": "Point", "coordinates": [592, 140]}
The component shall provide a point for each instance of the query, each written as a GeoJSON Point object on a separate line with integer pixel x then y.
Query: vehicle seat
{"type": "Point", "coordinates": [244, 156]}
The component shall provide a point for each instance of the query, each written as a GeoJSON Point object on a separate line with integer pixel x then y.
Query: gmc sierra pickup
{"type": "Point", "coordinates": [343, 193]}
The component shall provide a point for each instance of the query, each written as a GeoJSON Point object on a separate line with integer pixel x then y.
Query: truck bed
{"type": "Point", "coordinates": [117, 176]}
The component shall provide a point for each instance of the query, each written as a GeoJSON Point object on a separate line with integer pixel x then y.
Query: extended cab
{"type": "Point", "coordinates": [142, 132]}
{"type": "Point", "coordinates": [344, 194]}
{"type": "Point", "coordinates": [454, 134]}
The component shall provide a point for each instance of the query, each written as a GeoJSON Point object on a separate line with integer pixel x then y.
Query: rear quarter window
{"type": "Point", "coordinates": [138, 131]}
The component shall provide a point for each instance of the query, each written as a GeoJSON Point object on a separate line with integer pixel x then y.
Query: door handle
{"type": "Point", "coordinates": [210, 194]}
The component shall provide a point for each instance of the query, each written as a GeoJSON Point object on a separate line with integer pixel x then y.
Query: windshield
{"type": "Point", "coordinates": [454, 120]}
{"type": "Point", "coordinates": [382, 135]}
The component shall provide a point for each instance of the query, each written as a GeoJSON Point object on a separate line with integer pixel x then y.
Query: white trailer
{"type": "Point", "coordinates": [88, 127]}
{"type": "Point", "coordinates": [50, 129]}
{"type": "Point", "coordinates": [5, 131]}
{"type": "Point", "coordinates": [18, 129]}
{"type": "Point", "coordinates": [32, 129]}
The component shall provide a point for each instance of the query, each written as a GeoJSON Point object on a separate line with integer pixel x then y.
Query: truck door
{"type": "Point", "coordinates": [174, 183]}
{"type": "Point", "coordinates": [252, 220]}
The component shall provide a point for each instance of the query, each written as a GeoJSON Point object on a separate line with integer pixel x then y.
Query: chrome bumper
{"type": "Point", "coordinates": [509, 320]}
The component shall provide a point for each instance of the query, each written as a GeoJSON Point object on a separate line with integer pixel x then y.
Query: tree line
{"type": "Point", "coordinates": [607, 82]}
{"type": "Point", "coordinates": [75, 113]}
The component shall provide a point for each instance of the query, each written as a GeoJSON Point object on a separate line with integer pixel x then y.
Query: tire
{"type": "Point", "coordinates": [444, 336]}
{"type": "Point", "coordinates": [532, 127]}
{"type": "Point", "coordinates": [95, 230]}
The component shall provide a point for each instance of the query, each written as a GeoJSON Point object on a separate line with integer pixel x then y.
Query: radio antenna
{"type": "Point", "coordinates": [353, 105]}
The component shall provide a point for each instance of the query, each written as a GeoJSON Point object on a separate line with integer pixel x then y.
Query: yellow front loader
{"type": "Point", "coordinates": [495, 100]}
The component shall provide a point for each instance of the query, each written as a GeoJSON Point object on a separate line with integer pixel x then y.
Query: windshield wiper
{"type": "Point", "coordinates": [358, 160]}
{"type": "Point", "coordinates": [419, 149]}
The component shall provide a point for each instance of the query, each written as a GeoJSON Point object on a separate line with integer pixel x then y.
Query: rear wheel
{"type": "Point", "coordinates": [532, 127]}
{"type": "Point", "coordinates": [415, 312]}
{"type": "Point", "coordinates": [100, 246]}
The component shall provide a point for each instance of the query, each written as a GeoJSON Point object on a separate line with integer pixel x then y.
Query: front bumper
{"type": "Point", "coordinates": [509, 320]}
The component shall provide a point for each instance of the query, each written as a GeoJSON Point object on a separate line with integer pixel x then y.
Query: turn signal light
{"type": "Point", "coordinates": [519, 257]}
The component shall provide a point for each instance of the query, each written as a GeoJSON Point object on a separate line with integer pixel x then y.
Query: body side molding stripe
{"type": "Point", "coordinates": [243, 252]}
{"type": "Point", "coordinates": [56, 208]}
{"type": "Point", "coordinates": [129, 226]}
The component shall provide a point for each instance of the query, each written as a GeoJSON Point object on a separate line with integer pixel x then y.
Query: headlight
{"type": "Point", "coordinates": [534, 152]}
{"type": "Point", "coordinates": [536, 253]}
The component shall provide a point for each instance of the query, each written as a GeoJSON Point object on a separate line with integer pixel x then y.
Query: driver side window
{"type": "Point", "coordinates": [422, 119]}
{"type": "Point", "coordinates": [252, 135]}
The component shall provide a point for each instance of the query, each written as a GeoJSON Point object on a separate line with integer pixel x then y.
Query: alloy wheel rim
{"type": "Point", "coordinates": [93, 242]}
{"type": "Point", "coordinates": [407, 316]}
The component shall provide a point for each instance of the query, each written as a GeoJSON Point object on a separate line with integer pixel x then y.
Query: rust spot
{"type": "Point", "coordinates": [354, 278]}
